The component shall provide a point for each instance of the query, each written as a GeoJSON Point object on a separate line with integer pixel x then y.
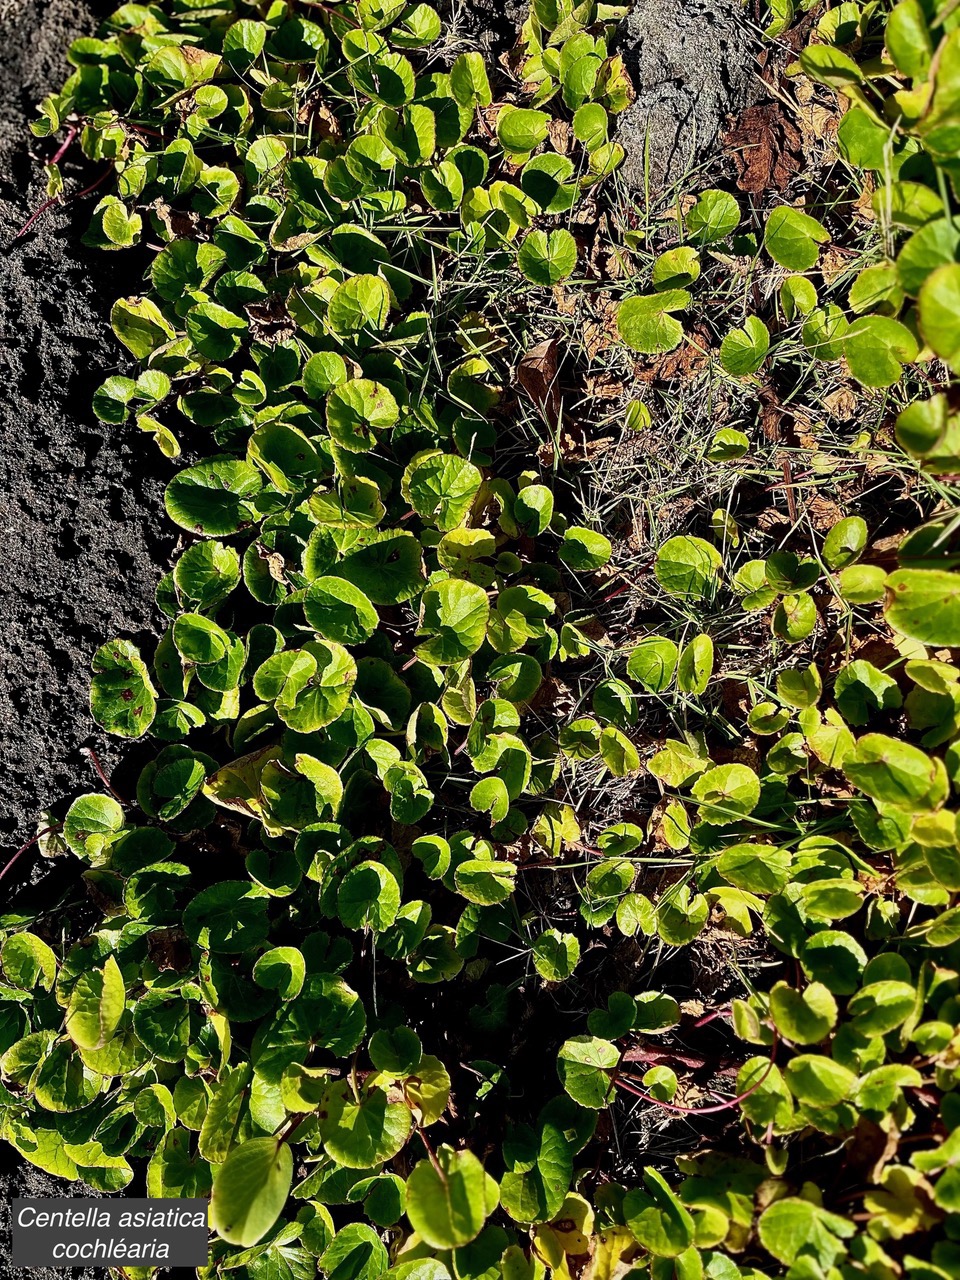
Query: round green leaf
{"type": "Point", "coordinates": [688, 567]}
{"type": "Point", "coordinates": [792, 238]}
{"type": "Point", "coordinates": [250, 1190]}
{"type": "Point", "coordinates": [646, 325]}
{"type": "Point", "coordinates": [555, 955]}
{"type": "Point", "coordinates": [447, 1205]}
{"type": "Point", "coordinates": [546, 259]}
{"type": "Point", "coordinates": [585, 1065]}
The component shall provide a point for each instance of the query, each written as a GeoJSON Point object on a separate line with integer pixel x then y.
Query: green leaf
{"type": "Point", "coordinates": [441, 488]}
{"type": "Point", "coordinates": [215, 331]}
{"type": "Point", "coordinates": [356, 410]}
{"type": "Point", "coordinates": [214, 498]}
{"type": "Point", "coordinates": [924, 604]}
{"type": "Point", "coordinates": [385, 564]}
{"type": "Point", "coordinates": [798, 296]}
{"type": "Point", "coordinates": [861, 690]}
{"type": "Point", "coordinates": [877, 348]}
{"type": "Point", "coordinates": [199, 639]}
{"type": "Point", "coordinates": [281, 969]}
{"type": "Point", "coordinates": [286, 457]}
{"type": "Point", "coordinates": [555, 955]}
{"type": "Point", "coordinates": [591, 125]}
{"type": "Point", "coordinates": [695, 666]}
{"type": "Point", "coordinates": [361, 302]}
{"type": "Point", "coordinates": [646, 325]}
{"type": "Point", "coordinates": [744, 350]}
{"type": "Point", "coordinates": [485, 881]}
{"type": "Point", "coordinates": [362, 1132]}
{"type": "Point", "coordinates": [448, 1204]}
{"type": "Point", "coordinates": [546, 259]}
{"type": "Point", "coordinates": [908, 40]}
{"type": "Point", "coordinates": [835, 959]}
{"type": "Point", "coordinates": [823, 332]}
{"type": "Point", "coordinates": [207, 572]}
{"type": "Point", "coordinates": [818, 1081]}
{"type": "Point", "coordinates": [140, 326]}
{"type": "Point", "coordinates": [250, 1190]}
{"type": "Point", "coordinates": [355, 1253]}
{"type": "Point", "coordinates": [688, 567]}
{"type": "Point", "coordinates": [795, 617]}
{"type": "Point", "coordinates": [897, 773]}
{"type": "Point", "coordinates": [520, 130]}
{"type": "Point", "coordinates": [676, 268]}
{"type": "Point", "coordinates": [122, 697]}
{"type": "Point", "coordinates": [453, 615]}
{"type": "Point", "coordinates": [792, 1226]}
{"type": "Point", "coordinates": [881, 1007]}
{"type": "Point", "coordinates": [338, 610]}
{"type": "Point", "coordinates": [830, 66]}
{"type": "Point", "coordinates": [96, 1006]}
{"type": "Point", "coordinates": [396, 1051]}
{"type": "Point", "coordinates": [92, 824]}
{"type": "Point", "coordinates": [652, 663]}
{"type": "Point", "coordinates": [932, 246]}
{"type": "Point", "coordinates": [803, 1017]}
{"type": "Point", "coordinates": [726, 792]}
{"type": "Point", "coordinates": [585, 1065]}
{"type": "Point", "coordinates": [584, 550]}
{"type": "Point", "coordinates": [368, 897]}
{"type": "Point", "coordinates": [112, 226]}
{"type": "Point", "coordinates": [468, 81]}
{"type": "Point", "coordinates": [845, 542]}
{"type": "Point", "coordinates": [792, 238]}
{"type": "Point", "coordinates": [229, 917]}
{"type": "Point", "coordinates": [27, 960]}
{"type": "Point", "coordinates": [862, 583]}
{"type": "Point", "coordinates": [657, 1219]}
{"type": "Point", "coordinates": [715, 216]}
{"type": "Point", "coordinates": [310, 687]}
{"type": "Point", "coordinates": [939, 313]}
{"type": "Point", "coordinates": [618, 752]}
{"type": "Point", "coordinates": [490, 795]}
{"type": "Point", "coordinates": [757, 868]}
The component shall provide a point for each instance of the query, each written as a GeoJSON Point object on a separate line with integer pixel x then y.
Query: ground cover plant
{"type": "Point", "coordinates": [534, 867]}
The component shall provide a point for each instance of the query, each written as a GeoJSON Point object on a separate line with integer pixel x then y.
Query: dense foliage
{"type": "Point", "coordinates": [317, 975]}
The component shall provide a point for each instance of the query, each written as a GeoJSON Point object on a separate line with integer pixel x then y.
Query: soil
{"type": "Point", "coordinates": [491, 27]}
{"type": "Point", "coordinates": [80, 503]}
{"type": "Point", "coordinates": [692, 63]}
{"type": "Point", "coordinates": [19, 1179]}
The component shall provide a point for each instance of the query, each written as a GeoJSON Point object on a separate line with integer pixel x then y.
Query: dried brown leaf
{"type": "Point", "coordinates": [537, 374]}
{"type": "Point", "coordinates": [767, 148]}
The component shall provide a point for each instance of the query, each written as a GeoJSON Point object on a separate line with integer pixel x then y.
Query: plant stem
{"type": "Point", "coordinates": [30, 843]}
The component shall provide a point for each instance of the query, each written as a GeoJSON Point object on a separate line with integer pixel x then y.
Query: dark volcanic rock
{"type": "Point", "coordinates": [692, 65]}
{"type": "Point", "coordinates": [80, 503]}
{"type": "Point", "coordinates": [21, 1179]}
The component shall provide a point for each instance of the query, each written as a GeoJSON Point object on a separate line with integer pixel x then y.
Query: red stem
{"type": "Point", "coordinates": [709, 1017]}
{"type": "Point", "coordinates": [48, 204]}
{"type": "Point", "coordinates": [29, 845]}
{"type": "Point", "coordinates": [71, 134]}
{"type": "Point", "coordinates": [704, 1111]}
{"type": "Point", "coordinates": [102, 774]}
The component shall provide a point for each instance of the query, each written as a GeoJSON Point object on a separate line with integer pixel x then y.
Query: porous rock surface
{"type": "Point", "coordinates": [18, 1179]}
{"type": "Point", "coordinates": [82, 532]}
{"type": "Point", "coordinates": [692, 63]}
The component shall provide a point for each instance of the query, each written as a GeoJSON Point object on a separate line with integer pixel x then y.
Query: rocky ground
{"type": "Point", "coordinates": [80, 503]}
